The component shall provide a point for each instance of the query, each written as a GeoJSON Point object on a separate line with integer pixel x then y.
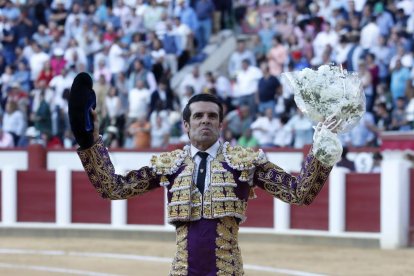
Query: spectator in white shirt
{"type": "Point", "coordinates": [138, 98]}
{"type": "Point", "coordinates": [116, 58]}
{"type": "Point", "coordinates": [193, 79]}
{"type": "Point", "coordinates": [265, 128]}
{"type": "Point", "coordinates": [246, 84]}
{"type": "Point", "coordinates": [370, 34]}
{"type": "Point", "coordinates": [236, 59]}
{"type": "Point", "coordinates": [6, 139]}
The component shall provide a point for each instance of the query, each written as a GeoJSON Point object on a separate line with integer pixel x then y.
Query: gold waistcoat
{"type": "Point", "coordinates": [220, 200]}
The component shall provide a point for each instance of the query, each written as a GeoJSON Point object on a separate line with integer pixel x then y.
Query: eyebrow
{"type": "Point", "coordinates": [208, 113]}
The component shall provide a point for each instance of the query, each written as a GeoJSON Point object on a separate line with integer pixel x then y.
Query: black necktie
{"type": "Point", "coordinates": [201, 175]}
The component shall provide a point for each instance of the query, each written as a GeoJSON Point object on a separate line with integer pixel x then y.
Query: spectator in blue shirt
{"type": "Point", "coordinates": [204, 10]}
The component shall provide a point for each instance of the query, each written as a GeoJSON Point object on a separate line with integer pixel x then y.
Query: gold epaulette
{"type": "Point", "coordinates": [168, 163]}
{"type": "Point", "coordinates": [242, 159]}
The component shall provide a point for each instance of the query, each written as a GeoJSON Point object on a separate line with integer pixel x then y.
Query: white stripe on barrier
{"type": "Point", "coordinates": [143, 258]}
{"type": "Point", "coordinates": [54, 269]}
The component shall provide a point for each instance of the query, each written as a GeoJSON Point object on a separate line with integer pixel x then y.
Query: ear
{"type": "Point", "coordinates": [186, 127]}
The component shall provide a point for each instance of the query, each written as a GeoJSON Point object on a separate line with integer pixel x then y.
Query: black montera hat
{"type": "Point", "coordinates": [82, 99]}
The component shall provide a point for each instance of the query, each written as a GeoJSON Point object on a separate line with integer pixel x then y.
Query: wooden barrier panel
{"type": "Point", "coordinates": [260, 210]}
{"type": "Point", "coordinates": [36, 196]}
{"type": "Point", "coordinates": [314, 216]}
{"type": "Point", "coordinates": [363, 202]}
{"type": "Point", "coordinates": [147, 208]}
{"type": "Point", "coordinates": [87, 205]}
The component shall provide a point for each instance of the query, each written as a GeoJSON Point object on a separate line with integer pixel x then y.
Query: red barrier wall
{"type": "Point", "coordinates": [260, 210]}
{"type": "Point", "coordinates": [36, 196]}
{"type": "Point", "coordinates": [363, 202]}
{"type": "Point", "coordinates": [87, 205]}
{"type": "Point", "coordinates": [147, 208]}
{"type": "Point", "coordinates": [314, 216]}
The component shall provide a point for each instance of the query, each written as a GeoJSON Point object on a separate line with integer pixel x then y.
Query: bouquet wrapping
{"type": "Point", "coordinates": [328, 93]}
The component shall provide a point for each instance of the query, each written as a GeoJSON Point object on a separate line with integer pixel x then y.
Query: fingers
{"type": "Point", "coordinates": [95, 124]}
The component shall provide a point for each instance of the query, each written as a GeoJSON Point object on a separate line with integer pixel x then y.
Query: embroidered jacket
{"type": "Point", "coordinates": [234, 174]}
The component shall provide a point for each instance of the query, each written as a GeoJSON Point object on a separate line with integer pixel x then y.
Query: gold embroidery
{"type": "Point", "coordinates": [295, 190]}
{"type": "Point", "coordinates": [180, 263]}
{"type": "Point", "coordinates": [101, 173]}
{"type": "Point", "coordinates": [228, 257]}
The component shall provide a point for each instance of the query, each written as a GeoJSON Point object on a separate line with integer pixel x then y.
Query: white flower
{"type": "Point", "coordinates": [328, 91]}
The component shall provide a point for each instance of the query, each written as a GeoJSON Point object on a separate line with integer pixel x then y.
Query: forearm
{"type": "Point", "coordinates": [101, 173]}
{"type": "Point", "coordinates": [295, 190]}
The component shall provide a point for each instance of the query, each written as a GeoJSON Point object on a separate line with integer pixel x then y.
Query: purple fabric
{"type": "Point", "coordinates": [201, 244]}
{"type": "Point", "coordinates": [242, 190]}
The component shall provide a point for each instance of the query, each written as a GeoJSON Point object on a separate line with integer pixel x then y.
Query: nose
{"type": "Point", "coordinates": [205, 119]}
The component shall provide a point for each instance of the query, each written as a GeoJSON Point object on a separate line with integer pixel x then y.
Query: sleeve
{"type": "Point", "coordinates": [298, 190]}
{"type": "Point", "coordinates": [101, 173]}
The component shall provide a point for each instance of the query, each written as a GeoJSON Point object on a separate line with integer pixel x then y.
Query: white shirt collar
{"type": "Point", "coordinates": [212, 151]}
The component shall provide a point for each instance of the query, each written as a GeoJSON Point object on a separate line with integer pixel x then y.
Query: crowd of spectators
{"type": "Point", "coordinates": [132, 48]}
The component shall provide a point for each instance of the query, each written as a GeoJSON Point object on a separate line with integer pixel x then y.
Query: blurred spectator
{"type": "Point", "coordinates": [158, 57]}
{"type": "Point", "coordinates": [265, 128]}
{"type": "Point", "coordinates": [345, 161]}
{"type": "Point", "coordinates": [42, 37]}
{"type": "Point", "coordinates": [228, 137]}
{"type": "Point", "coordinates": [367, 84]}
{"type": "Point", "coordinates": [101, 88]}
{"type": "Point", "coordinates": [370, 34]}
{"type": "Point", "coordinates": [277, 56]}
{"type": "Point", "coordinates": [384, 19]}
{"type": "Point", "coordinates": [184, 41]}
{"type": "Point", "coordinates": [139, 72]}
{"type": "Point", "coordinates": [162, 98]}
{"type": "Point", "coordinates": [14, 121]}
{"type": "Point", "coordinates": [327, 37]}
{"type": "Point", "coordinates": [247, 140]}
{"type": "Point", "coordinates": [399, 77]}
{"type": "Point", "coordinates": [363, 134]}
{"type": "Point", "coordinates": [246, 86]}
{"type": "Point", "coordinates": [237, 57]}
{"type": "Point", "coordinates": [204, 10]}
{"type": "Point", "coordinates": [139, 132]}
{"type": "Point", "coordinates": [258, 49]}
{"type": "Point", "coordinates": [187, 15]}
{"type": "Point", "coordinates": [398, 117]}
{"type": "Point", "coordinates": [139, 99]}
{"type": "Point", "coordinates": [115, 114]}
{"type": "Point", "coordinates": [302, 130]}
{"type": "Point", "coordinates": [42, 117]}
{"type": "Point", "coordinates": [110, 137]}
{"type": "Point", "coordinates": [238, 120]}
{"type": "Point", "coordinates": [46, 74]}
{"type": "Point", "coordinates": [22, 76]}
{"type": "Point", "coordinates": [30, 137]}
{"type": "Point", "coordinates": [6, 139]}
{"type": "Point", "coordinates": [194, 79]}
{"type": "Point", "coordinates": [283, 136]}
{"type": "Point", "coordinates": [9, 39]}
{"type": "Point", "coordinates": [268, 87]}
{"type": "Point", "coordinates": [383, 54]}
{"type": "Point", "coordinates": [104, 70]}
{"type": "Point", "coordinates": [37, 60]}
{"type": "Point", "coordinates": [383, 117]}
{"type": "Point", "coordinates": [160, 132]}
{"type": "Point", "coordinates": [376, 166]}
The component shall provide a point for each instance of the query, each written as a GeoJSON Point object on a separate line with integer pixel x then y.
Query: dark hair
{"type": "Point", "coordinates": [203, 97]}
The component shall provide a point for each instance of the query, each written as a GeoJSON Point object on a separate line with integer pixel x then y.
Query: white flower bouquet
{"type": "Point", "coordinates": [328, 92]}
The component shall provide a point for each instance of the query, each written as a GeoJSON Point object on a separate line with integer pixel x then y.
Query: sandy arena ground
{"type": "Point", "coordinates": [62, 256]}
